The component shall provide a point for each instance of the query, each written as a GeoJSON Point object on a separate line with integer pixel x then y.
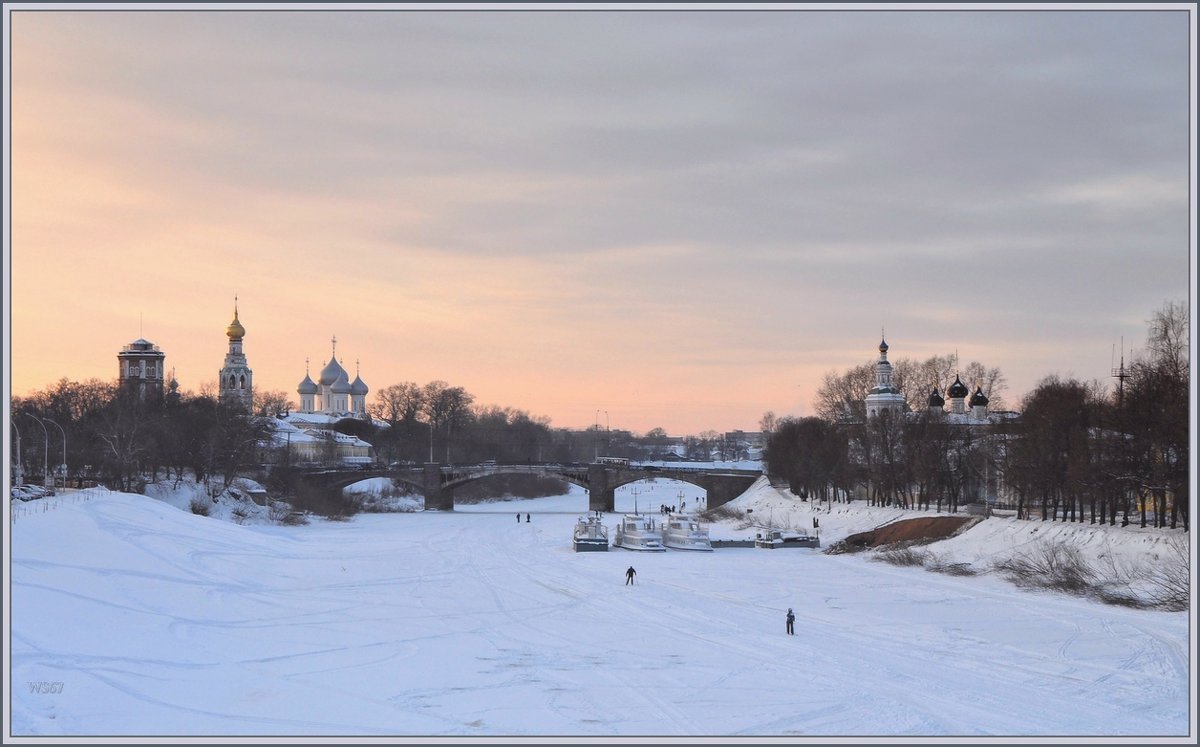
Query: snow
{"type": "Point", "coordinates": [144, 619]}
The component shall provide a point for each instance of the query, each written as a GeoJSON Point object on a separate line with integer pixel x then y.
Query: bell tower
{"type": "Point", "coordinates": [236, 379]}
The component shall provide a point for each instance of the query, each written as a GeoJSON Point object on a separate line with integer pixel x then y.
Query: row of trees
{"type": "Point", "coordinates": [1081, 451]}
{"type": "Point", "coordinates": [121, 439]}
{"type": "Point", "coordinates": [118, 437]}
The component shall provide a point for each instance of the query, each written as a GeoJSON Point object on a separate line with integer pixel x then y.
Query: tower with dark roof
{"type": "Point", "coordinates": [936, 403]}
{"type": "Point", "coordinates": [979, 404]}
{"type": "Point", "coordinates": [958, 396]}
{"type": "Point", "coordinates": [884, 396]}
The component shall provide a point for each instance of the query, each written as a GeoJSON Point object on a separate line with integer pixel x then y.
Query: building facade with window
{"type": "Point", "coordinates": [140, 366]}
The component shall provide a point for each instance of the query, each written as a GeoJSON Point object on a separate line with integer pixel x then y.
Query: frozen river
{"type": "Point", "coordinates": [156, 622]}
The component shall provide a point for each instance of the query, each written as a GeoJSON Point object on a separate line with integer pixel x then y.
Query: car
{"type": "Point", "coordinates": [30, 492]}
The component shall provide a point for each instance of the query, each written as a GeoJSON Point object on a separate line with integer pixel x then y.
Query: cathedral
{"type": "Point", "coordinates": [310, 433]}
{"type": "Point", "coordinates": [333, 393]}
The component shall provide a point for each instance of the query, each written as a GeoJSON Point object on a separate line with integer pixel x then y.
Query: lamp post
{"type": "Point", "coordinates": [45, 451]}
{"type": "Point", "coordinates": [431, 440]}
{"type": "Point", "coordinates": [596, 451]}
{"type": "Point", "coordinates": [62, 468]}
{"type": "Point", "coordinates": [18, 475]}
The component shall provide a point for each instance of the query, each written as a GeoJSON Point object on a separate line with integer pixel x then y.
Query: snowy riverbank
{"type": "Point", "coordinates": [146, 619]}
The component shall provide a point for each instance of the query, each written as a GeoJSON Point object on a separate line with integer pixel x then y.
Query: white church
{"type": "Point", "coordinates": [309, 432]}
{"type": "Point", "coordinates": [333, 393]}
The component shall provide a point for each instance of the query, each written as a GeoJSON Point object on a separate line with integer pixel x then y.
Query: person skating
{"type": "Point", "coordinates": [629, 574]}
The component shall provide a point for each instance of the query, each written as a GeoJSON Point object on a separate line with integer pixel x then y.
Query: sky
{"type": "Point", "coordinates": [678, 219]}
{"type": "Point", "coordinates": [134, 616]}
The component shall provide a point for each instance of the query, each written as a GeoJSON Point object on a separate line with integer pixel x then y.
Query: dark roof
{"type": "Point", "coordinates": [958, 390]}
{"type": "Point", "coordinates": [978, 398]}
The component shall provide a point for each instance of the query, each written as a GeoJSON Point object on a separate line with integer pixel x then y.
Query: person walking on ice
{"type": "Point", "coordinates": [629, 574]}
{"type": "Point", "coordinates": [518, 517]}
{"type": "Point", "coordinates": [791, 622]}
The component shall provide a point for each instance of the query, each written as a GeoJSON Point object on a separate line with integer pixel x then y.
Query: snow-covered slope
{"type": "Point", "coordinates": [131, 616]}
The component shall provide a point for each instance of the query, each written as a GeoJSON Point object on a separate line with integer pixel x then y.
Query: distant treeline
{"type": "Point", "coordinates": [1080, 451]}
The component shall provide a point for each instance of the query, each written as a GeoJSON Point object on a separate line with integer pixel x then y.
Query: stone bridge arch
{"type": "Point", "coordinates": [449, 479]}
{"type": "Point", "coordinates": [437, 482]}
{"type": "Point", "coordinates": [720, 486]}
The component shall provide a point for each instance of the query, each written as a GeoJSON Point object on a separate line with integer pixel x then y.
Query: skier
{"type": "Point", "coordinates": [629, 574]}
{"type": "Point", "coordinates": [791, 622]}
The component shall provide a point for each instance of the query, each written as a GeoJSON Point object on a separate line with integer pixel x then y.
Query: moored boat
{"type": "Point", "coordinates": [590, 535]}
{"type": "Point", "coordinates": [637, 532]}
{"type": "Point", "coordinates": [685, 532]}
{"type": "Point", "coordinates": [770, 539]}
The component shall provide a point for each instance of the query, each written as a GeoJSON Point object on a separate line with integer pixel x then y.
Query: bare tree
{"type": "Point", "coordinates": [840, 396]}
{"type": "Point", "coordinates": [768, 423]}
{"type": "Point", "coordinates": [270, 403]}
{"type": "Point", "coordinates": [446, 408]}
{"type": "Point", "coordinates": [398, 403]}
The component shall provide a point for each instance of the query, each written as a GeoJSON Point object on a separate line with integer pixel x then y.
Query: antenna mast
{"type": "Point", "coordinates": [1121, 373]}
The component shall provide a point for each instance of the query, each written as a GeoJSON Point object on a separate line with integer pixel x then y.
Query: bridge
{"type": "Point", "coordinates": [437, 482]}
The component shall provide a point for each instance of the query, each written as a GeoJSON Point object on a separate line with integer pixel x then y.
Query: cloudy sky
{"type": "Point", "coordinates": [676, 218]}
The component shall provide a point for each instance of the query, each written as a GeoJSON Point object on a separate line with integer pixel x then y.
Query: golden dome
{"type": "Point", "coordinates": [235, 330]}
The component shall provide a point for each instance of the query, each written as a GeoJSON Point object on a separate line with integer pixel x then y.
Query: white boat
{"type": "Point", "coordinates": [685, 532]}
{"type": "Point", "coordinates": [590, 535]}
{"type": "Point", "coordinates": [637, 532]}
{"type": "Point", "coordinates": [771, 539]}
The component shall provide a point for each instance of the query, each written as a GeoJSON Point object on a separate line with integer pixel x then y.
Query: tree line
{"type": "Point", "coordinates": [119, 438]}
{"type": "Point", "coordinates": [115, 436]}
{"type": "Point", "coordinates": [1075, 451]}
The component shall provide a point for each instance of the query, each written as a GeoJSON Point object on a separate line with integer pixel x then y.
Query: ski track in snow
{"type": "Point", "coordinates": [462, 624]}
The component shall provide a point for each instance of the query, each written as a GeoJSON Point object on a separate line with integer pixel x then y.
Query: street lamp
{"type": "Point", "coordinates": [18, 475]}
{"type": "Point", "coordinates": [62, 469]}
{"type": "Point", "coordinates": [45, 451]}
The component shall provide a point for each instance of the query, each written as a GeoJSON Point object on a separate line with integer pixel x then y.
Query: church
{"type": "Point", "coordinates": [309, 432]}
{"type": "Point", "coordinates": [886, 397]}
{"type": "Point", "coordinates": [333, 393]}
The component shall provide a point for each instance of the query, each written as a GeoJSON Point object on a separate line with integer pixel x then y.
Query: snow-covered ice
{"type": "Point", "coordinates": [146, 620]}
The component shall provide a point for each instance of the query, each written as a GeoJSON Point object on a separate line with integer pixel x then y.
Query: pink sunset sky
{"type": "Point", "coordinates": [679, 219]}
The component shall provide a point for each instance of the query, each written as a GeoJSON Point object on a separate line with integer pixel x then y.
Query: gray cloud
{"type": "Point", "coordinates": [986, 159]}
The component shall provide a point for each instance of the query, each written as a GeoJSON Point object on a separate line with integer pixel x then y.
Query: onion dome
{"type": "Point", "coordinates": [332, 371]}
{"type": "Point", "coordinates": [358, 386]}
{"type": "Point", "coordinates": [235, 330]}
{"type": "Point", "coordinates": [935, 399]}
{"type": "Point", "coordinates": [307, 386]}
{"type": "Point", "coordinates": [978, 399]}
{"type": "Point", "coordinates": [958, 390]}
{"type": "Point", "coordinates": [342, 385]}
{"type": "Point", "coordinates": [883, 346]}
